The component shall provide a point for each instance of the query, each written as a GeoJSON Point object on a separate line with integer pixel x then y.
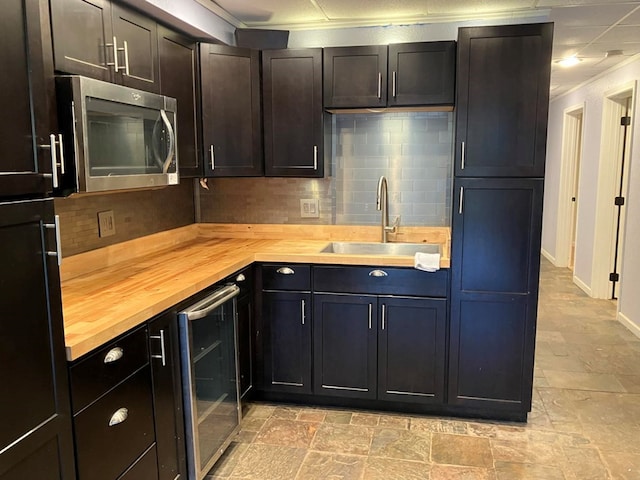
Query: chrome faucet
{"type": "Point", "coordinates": [382, 204]}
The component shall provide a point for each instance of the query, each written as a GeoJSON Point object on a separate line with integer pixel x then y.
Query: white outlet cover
{"type": "Point", "coordinates": [309, 208]}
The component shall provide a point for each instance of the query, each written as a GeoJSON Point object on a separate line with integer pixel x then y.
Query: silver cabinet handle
{"type": "Point", "coordinates": [113, 355]}
{"type": "Point", "coordinates": [118, 416]}
{"type": "Point", "coordinates": [241, 278]}
{"type": "Point", "coordinates": [393, 84]}
{"type": "Point", "coordinates": [384, 314]}
{"type": "Point", "coordinates": [212, 157]}
{"type": "Point", "coordinates": [163, 352]}
{"type": "Point", "coordinates": [61, 146]}
{"type": "Point", "coordinates": [378, 273]}
{"type": "Point", "coordinates": [115, 65]}
{"type": "Point", "coordinates": [126, 58]}
{"type": "Point", "coordinates": [210, 303]}
{"type": "Point", "coordinates": [172, 140]}
{"type": "Point", "coordinates": [315, 157]}
{"type": "Point", "coordinates": [370, 312]}
{"type": "Point", "coordinates": [56, 226]}
{"type": "Point", "coordinates": [462, 155]}
{"type": "Point", "coordinates": [285, 271]}
{"type": "Point", "coordinates": [461, 200]}
{"type": "Point", "coordinates": [54, 159]}
{"type": "Point", "coordinates": [302, 308]}
{"type": "Point", "coordinates": [380, 85]}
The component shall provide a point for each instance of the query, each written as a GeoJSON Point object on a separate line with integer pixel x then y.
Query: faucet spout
{"type": "Point", "coordinates": [382, 205]}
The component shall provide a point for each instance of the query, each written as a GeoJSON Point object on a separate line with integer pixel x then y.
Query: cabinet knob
{"type": "Point", "coordinates": [240, 278]}
{"type": "Point", "coordinates": [378, 273]}
{"type": "Point", "coordinates": [285, 271]}
{"type": "Point", "coordinates": [118, 416]}
{"type": "Point", "coordinates": [113, 355]}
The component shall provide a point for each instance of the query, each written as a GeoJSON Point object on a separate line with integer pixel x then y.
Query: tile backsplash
{"type": "Point", "coordinates": [136, 214]}
{"type": "Point", "coordinates": [412, 149]}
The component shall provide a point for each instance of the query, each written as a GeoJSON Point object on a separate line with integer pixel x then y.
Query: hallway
{"type": "Point", "coordinates": [585, 422]}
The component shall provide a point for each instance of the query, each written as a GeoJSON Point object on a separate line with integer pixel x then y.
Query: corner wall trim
{"type": "Point", "coordinates": [549, 257]}
{"type": "Point", "coordinates": [583, 286]}
{"type": "Point", "coordinates": [626, 321]}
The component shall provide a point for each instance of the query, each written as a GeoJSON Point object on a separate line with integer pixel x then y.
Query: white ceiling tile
{"type": "Point", "coordinates": [622, 34]}
{"type": "Point", "coordinates": [576, 35]}
{"type": "Point", "coordinates": [471, 7]}
{"type": "Point", "coordinates": [276, 12]}
{"type": "Point", "coordinates": [368, 9]}
{"type": "Point", "coordinates": [600, 49]}
{"type": "Point", "coordinates": [592, 15]}
{"type": "Point", "coordinates": [633, 19]}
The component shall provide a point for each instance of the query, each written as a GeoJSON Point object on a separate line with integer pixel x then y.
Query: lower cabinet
{"type": "Point", "coordinates": [127, 406]}
{"type": "Point", "coordinates": [287, 350]}
{"type": "Point", "coordinates": [344, 341]}
{"type": "Point", "coordinates": [384, 347]}
{"type": "Point", "coordinates": [164, 349]}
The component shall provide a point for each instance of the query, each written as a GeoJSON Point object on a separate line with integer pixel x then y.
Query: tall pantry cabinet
{"type": "Point", "coordinates": [502, 103]}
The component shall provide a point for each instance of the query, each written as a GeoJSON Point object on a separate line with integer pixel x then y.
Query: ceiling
{"type": "Point", "coordinates": [586, 28]}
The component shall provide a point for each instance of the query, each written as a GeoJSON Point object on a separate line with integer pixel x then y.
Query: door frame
{"type": "Point", "coordinates": [571, 151]}
{"type": "Point", "coordinates": [608, 183]}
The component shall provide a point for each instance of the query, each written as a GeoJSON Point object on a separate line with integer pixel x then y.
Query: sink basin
{"type": "Point", "coordinates": [402, 249]}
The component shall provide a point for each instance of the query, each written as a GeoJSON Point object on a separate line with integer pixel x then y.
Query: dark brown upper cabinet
{"type": "Point", "coordinates": [137, 39]}
{"type": "Point", "coordinates": [98, 39]}
{"type": "Point", "coordinates": [418, 74]}
{"type": "Point", "coordinates": [177, 58]}
{"type": "Point", "coordinates": [231, 116]}
{"type": "Point", "coordinates": [502, 100]}
{"type": "Point", "coordinates": [28, 100]}
{"type": "Point", "coordinates": [422, 74]}
{"type": "Point", "coordinates": [355, 77]}
{"type": "Point", "coordinates": [293, 115]}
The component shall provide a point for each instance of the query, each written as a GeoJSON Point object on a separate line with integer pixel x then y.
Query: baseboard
{"type": "Point", "coordinates": [626, 321]}
{"type": "Point", "coordinates": [583, 286]}
{"type": "Point", "coordinates": [549, 257]}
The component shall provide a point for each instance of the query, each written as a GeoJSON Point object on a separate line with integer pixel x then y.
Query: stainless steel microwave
{"type": "Point", "coordinates": [113, 137]}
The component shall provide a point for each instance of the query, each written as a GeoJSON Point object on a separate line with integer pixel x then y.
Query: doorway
{"type": "Point", "coordinates": [569, 186]}
{"type": "Point", "coordinates": [615, 155]}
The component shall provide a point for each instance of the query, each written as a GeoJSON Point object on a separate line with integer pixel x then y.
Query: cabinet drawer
{"type": "Point", "coordinates": [104, 452]}
{"type": "Point", "coordinates": [145, 468]}
{"type": "Point", "coordinates": [243, 279]}
{"type": "Point", "coordinates": [286, 277]}
{"type": "Point", "coordinates": [106, 367]}
{"type": "Point", "coordinates": [397, 281]}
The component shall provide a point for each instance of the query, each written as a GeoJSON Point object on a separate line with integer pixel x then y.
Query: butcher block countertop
{"type": "Point", "coordinates": [108, 291]}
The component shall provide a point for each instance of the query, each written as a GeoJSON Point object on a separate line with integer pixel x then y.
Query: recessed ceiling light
{"type": "Point", "coordinates": [569, 61]}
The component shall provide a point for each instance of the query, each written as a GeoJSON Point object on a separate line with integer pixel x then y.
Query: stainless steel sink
{"type": "Point", "coordinates": [402, 249]}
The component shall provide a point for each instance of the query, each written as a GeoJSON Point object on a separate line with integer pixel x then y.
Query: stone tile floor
{"type": "Point", "coordinates": [585, 422]}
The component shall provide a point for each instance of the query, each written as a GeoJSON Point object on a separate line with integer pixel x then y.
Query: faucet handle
{"type": "Point", "coordinates": [393, 228]}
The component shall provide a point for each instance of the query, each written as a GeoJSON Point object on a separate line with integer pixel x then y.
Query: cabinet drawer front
{"type": "Point", "coordinates": [286, 277]}
{"type": "Point", "coordinates": [372, 280]}
{"type": "Point", "coordinates": [145, 468]}
{"type": "Point", "coordinates": [104, 451]}
{"type": "Point", "coordinates": [103, 369]}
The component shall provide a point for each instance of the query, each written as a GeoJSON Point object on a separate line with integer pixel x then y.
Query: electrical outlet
{"type": "Point", "coordinates": [106, 224]}
{"type": "Point", "coordinates": [309, 208]}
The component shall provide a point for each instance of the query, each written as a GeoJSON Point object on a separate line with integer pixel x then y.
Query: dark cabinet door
{"type": "Point", "coordinates": [411, 349]}
{"type": "Point", "coordinates": [293, 121]}
{"type": "Point", "coordinates": [177, 59]}
{"type": "Point", "coordinates": [495, 257]}
{"type": "Point", "coordinates": [83, 37]}
{"type": "Point", "coordinates": [35, 438]}
{"type": "Point", "coordinates": [287, 325]}
{"type": "Point", "coordinates": [502, 100]}
{"type": "Point", "coordinates": [137, 36]}
{"type": "Point", "coordinates": [355, 77]}
{"type": "Point", "coordinates": [231, 116]}
{"type": "Point", "coordinates": [422, 73]}
{"type": "Point", "coordinates": [344, 343]}
{"type": "Point", "coordinates": [246, 330]}
{"type": "Point", "coordinates": [26, 93]}
{"type": "Point", "coordinates": [164, 348]}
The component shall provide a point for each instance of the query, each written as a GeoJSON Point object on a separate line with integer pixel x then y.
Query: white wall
{"type": "Point", "coordinates": [592, 95]}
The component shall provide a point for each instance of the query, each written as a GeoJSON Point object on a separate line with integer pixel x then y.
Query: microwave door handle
{"type": "Point", "coordinates": [154, 144]}
{"type": "Point", "coordinates": [172, 141]}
